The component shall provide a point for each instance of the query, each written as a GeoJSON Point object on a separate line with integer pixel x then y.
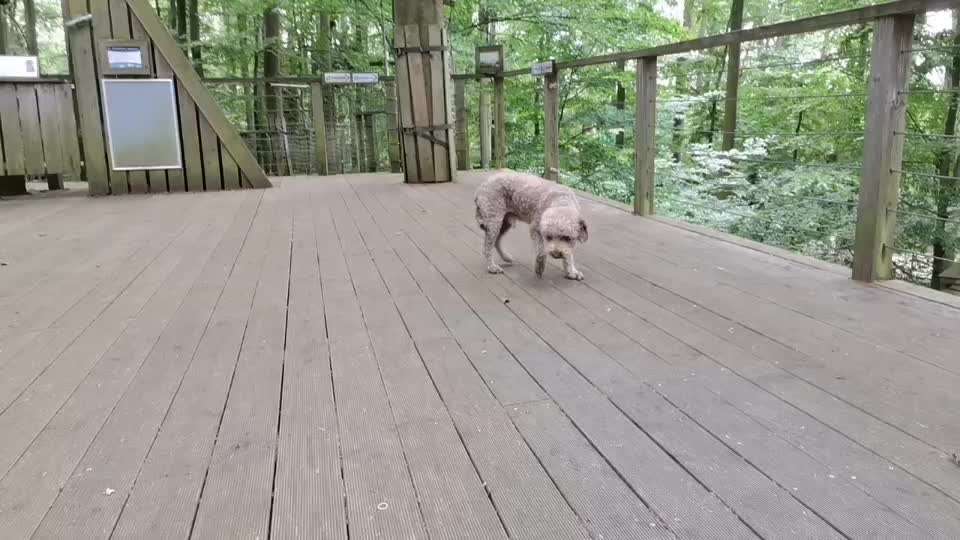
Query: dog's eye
{"type": "Point", "coordinates": [549, 238]}
{"type": "Point", "coordinates": [565, 239]}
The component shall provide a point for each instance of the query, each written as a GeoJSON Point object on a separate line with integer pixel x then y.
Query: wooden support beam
{"type": "Point", "coordinates": [645, 137]}
{"type": "Point", "coordinates": [393, 128]}
{"type": "Point", "coordinates": [883, 149]}
{"type": "Point", "coordinates": [486, 126]}
{"type": "Point", "coordinates": [551, 126]}
{"type": "Point", "coordinates": [463, 125]}
{"type": "Point", "coordinates": [370, 141]}
{"type": "Point", "coordinates": [319, 128]}
{"type": "Point", "coordinates": [500, 97]}
{"type": "Point", "coordinates": [731, 105]}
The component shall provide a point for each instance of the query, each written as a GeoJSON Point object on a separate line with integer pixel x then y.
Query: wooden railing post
{"type": "Point", "coordinates": [500, 97]}
{"type": "Point", "coordinates": [883, 148]}
{"type": "Point", "coordinates": [319, 128]}
{"type": "Point", "coordinates": [551, 126]}
{"type": "Point", "coordinates": [485, 125]}
{"type": "Point", "coordinates": [463, 128]}
{"type": "Point", "coordinates": [393, 128]}
{"type": "Point", "coordinates": [645, 137]}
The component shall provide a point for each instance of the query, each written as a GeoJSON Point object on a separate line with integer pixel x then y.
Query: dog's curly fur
{"type": "Point", "coordinates": [552, 211]}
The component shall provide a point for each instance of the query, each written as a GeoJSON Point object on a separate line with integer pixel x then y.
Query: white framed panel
{"type": "Point", "coordinates": [143, 129]}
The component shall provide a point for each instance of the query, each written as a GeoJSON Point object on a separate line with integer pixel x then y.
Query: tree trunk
{"type": "Point", "coordinates": [733, 79]}
{"type": "Point", "coordinates": [947, 192]}
{"type": "Point", "coordinates": [271, 69]}
{"type": "Point", "coordinates": [182, 29]}
{"type": "Point", "coordinates": [621, 105]}
{"type": "Point", "coordinates": [30, 30]}
{"type": "Point", "coordinates": [196, 50]}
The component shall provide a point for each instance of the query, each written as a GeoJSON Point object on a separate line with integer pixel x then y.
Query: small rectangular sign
{"type": "Point", "coordinates": [543, 68]}
{"type": "Point", "coordinates": [337, 78]}
{"type": "Point", "coordinates": [125, 57]}
{"type": "Point", "coordinates": [365, 78]}
{"type": "Point", "coordinates": [21, 67]}
{"type": "Point", "coordinates": [489, 58]}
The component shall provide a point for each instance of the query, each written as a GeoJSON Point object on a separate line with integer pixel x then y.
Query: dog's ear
{"type": "Point", "coordinates": [584, 235]}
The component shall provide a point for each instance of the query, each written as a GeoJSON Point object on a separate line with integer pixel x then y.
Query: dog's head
{"type": "Point", "coordinates": [561, 229]}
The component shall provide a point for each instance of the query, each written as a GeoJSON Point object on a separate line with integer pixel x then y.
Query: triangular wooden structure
{"type": "Point", "coordinates": [215, 157]}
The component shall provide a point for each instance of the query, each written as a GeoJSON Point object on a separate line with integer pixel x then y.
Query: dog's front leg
{"type": "Point", "coordinates": [571, 269]}
{"type": "Point", "coordinates": [491, 231]}
{"type": "Point", "coordinates": [538, 246]}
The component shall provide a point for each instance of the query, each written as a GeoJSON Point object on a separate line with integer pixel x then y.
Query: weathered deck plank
{"type": "Point", "coordinates": [338, 364]}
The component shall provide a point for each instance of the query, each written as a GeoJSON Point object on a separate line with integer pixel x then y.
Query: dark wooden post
{"type": "Point", "coordinates": [883, 148]}
{"type": "Point", "coordinates": [551, 126]}
{"type": "Point", "coordinates": [463, 125]}
{"type": "Point", "coordinates": [485, 126]}
{"type": "Point", "coordinates": [500, 97]}
{"type": "Point", "coordinates": [319, 128]}
{"type": "Point", "coordinates": [645, 138]}
{"type": "Point", "coordinates": [733, 79]}
{"type": "Point", "coordinates": [423, 71]}
{"type": "Point", "coordinates": [371, 142]}
{"type": "Point", "coordinates": [393, 134]}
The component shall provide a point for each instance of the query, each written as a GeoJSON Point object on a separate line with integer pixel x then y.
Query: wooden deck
{"type": "Point", "coordinates": [328, 359]}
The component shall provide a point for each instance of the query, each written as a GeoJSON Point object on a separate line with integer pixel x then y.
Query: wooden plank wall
{"type": "Point", "coordinates": [39, 130]}
{"type": "Point", "coordinates": [213, 155]}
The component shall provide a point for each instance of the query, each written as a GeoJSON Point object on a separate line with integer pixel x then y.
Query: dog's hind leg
{"type": "Point", "coordinates": [491, 229]}
{"type": "Point", "coordinates": [506, 226]}
{"type": "Point", "coordinates": [541, 260]}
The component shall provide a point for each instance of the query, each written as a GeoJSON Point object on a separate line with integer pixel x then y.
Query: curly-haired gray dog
{"type": "Point", "coordinates": [551, 210]}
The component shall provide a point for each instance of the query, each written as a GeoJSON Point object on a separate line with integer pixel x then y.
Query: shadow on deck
{"type": "Point", "coordinates": [330, 356]}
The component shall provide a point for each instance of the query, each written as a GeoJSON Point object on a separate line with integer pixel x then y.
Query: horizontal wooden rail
{"type": "Point", "coordinates": [799, 26]}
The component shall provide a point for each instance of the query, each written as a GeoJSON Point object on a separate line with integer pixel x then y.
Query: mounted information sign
{"type": "Point", "coordinates": [19, 67]}
{"type": "Point", "coordinates": [544, 68]}
{"type": "Point", "coordinates": [125, 57]}
{"type": "Point", "coordinates": [489, 59]}
{"type": "Point", "coordinates": [365, 78]}
{"type": "Point", "coordinates": [337, 78]}
{"type": "Point", "coordinates": [142, 128]}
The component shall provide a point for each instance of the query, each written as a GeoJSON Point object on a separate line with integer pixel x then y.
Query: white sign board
{"type": "Point", "coordinates": [489, 58]}
{"type": "Point", "coordinates": [22, 67]}
{"type": "Point", "coordinates": [337, 78]}
{"type": "Point", "coordinates": [543, 68]}
{"type": "Point", "coordinates": [142, 127]}
{"type": "Point", "coordinates": [125, 57]}
{"type": "Point", "coordinates": [366, 78]}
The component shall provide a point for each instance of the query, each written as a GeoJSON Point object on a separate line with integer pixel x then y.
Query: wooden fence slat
{"type": "Point", "coordinates": [645, 137]}
{"type": "Point", "coordinates": [10, 124]}
{"type": "Point", "coordinates": [319, 128]}
{"type": "Point", "coordinates": [393, 133]}
{"type": "Point", "coordinates": [103, 29]}
{"type": "Point", "coordinates": [231, 177]}
{"type": "Point", "coordinates": [500, 118]}
{"type": "Point", "coordinates": [438, 107]}
{"type": "Point", "coordinates": [176, 181]}
{"type": "Point", "coordinates": [551, 126]}
{"type": "Point", "coordinates": [209, 150]}
{"type": "Point", "coordinates": [447, 75]}
{"type": "Point", "coordinates": [30, 129]}
{"type": "Point", "coordinates": [410, 164]}
{"type": "Point", "coordinates": [50, 126]}
{"type": "Point", "coordinates": [96, 166]}
{"type": "Point", "coordinates": [190, 132]}
{"type": "Point", "coordinates": [69, 136]}
{"type": "Point", "coordinates": [463, 125]}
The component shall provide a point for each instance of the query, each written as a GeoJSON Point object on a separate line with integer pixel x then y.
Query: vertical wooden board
{"type": "Point", "coordinates": [138, 181]}
{"type": "Point", "coordinates": [551, 126]}
{"type": "Point", "coordinates": [645, 137]}
{"type": "Point", "coordinates": [30, 129]}
{"type": "Point", "coordinates": [69, 136]}
{"type": "Point", "coordinates": [176, 182]}
{"type": "Point", "coordinates": [448, 101]}
{"type": "Point", "coordinates": [393, 134]}
{"type": "Point", "coordinates": [500, 97]}
{"type": "Point", "coordinates": [438, 107]}
{"type": "Point", "coordinates": [103, 29]}
{"type": "Point", "coordinates": [463, 126]}
{"type": "Point", "coordinates": [50, 126]}
{"type": "Point", "coordinates": [10, 123]}
{"type": "Point", "coordinates": [210, 152]}
{"type": "Point", "coordinates": [119, 19]}
{"type": "Point", "coordinates": [404, 98]}
{"type": "Point", "coordinates": [485, 142]}
{"type": "Point", "coordinates": [418, 94]}
{"type": "Point", "coordinates": [319, 128]}
{"type": "Point", "coordinates": [231, 176]}
{"type": "Point", "coordinates": [370, 140]}
{"type": "Point", "coordinates": [95, 162]}
{"type": "Point", "coordinates": [190, 134]}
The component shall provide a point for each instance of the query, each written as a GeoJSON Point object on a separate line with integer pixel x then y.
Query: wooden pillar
{"type": "Point", "coordinates": [883, 148]}
{"type": "Point", "coordinates": [425, 92]}
{"type": "Point", "coordinates": [733, 79]}
{"type": "Point", "coordinates": [319, 128]}
{"type": "Point", "coordinates": [371, 142]}
{"type": "Point", "coordinates": [485, 126]}
{"type": "Point", "coordinates": [645, 137]}
{"type": "Point", "coordinates": [463, 125]}
{"type": "Point", "coordinates": [499, 94]}
{"type": "Point", "coordinates": [393, 133]}
{"type": "Point", "coordinates": [551, 126]}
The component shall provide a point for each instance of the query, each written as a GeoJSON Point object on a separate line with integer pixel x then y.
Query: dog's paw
{"type": "Point", "coordinates": [507, 262]}
{"type": "Point", "coordinates": [575, 275]}
{"type": "Point", "coordinates": [539, 266]}
{"type": "Point", "coordinates": [494, 269]}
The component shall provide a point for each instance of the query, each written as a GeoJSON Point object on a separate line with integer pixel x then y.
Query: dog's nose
{"type": "Point", "coordinates": [556, 254]}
